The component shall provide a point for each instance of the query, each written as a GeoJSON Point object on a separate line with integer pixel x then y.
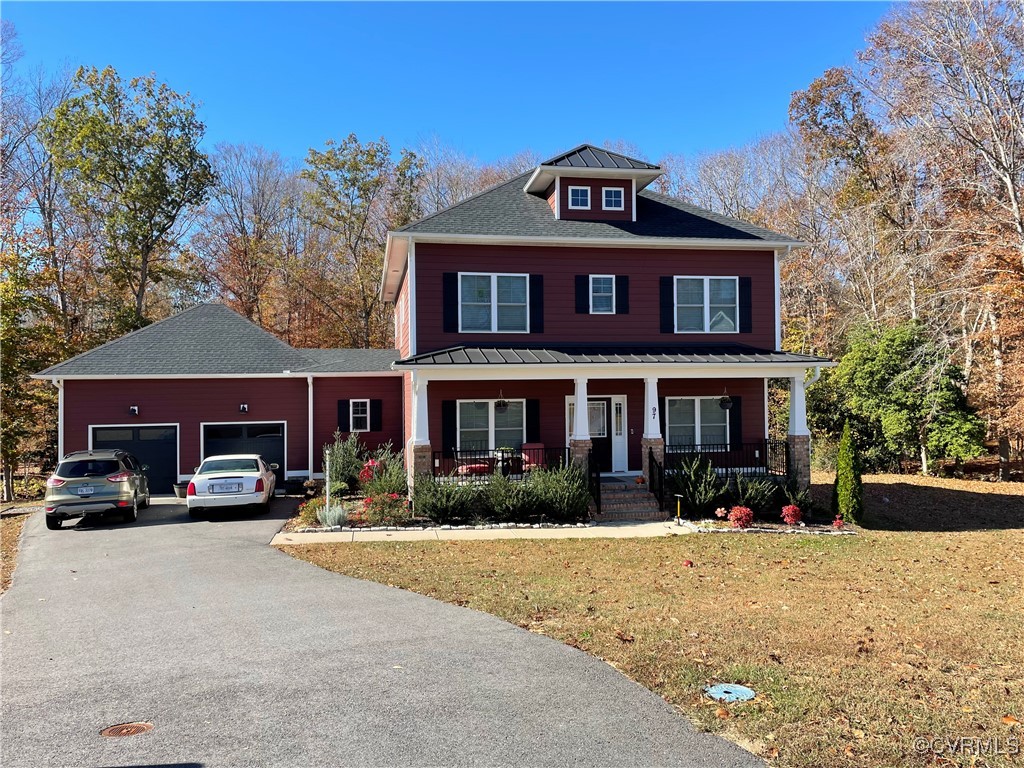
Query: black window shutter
{"type": "Point", "coordinates": [536, 303]}
{"type": "Point", "coordinates": [735, 424]}
{"type": "Point", "coordinates": [450, 301]}
{"type": "Point", "coordinates": [449, 428]}
{"type": "Point", "coordinates": [746, 321]}
{"type": "Point", "coordinates": [533, 421]}
{"type": "Point", "coordinates": [376, 415]}
{"type": "Point", "coordinates": [343, 424]}
{"type": "Point", "coordinates": [662, 414]}
{"type": "Point", "coordinates": [668, 309]}
{"type": "Point", "coordinates": [582, 294]}
{"type": "Point", "coordinates": [622, 294]}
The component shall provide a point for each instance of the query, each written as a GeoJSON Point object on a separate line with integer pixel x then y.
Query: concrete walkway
{"type": "Point", "coordinates": [603, 531]}
{"type": "Point", "coordinates": [240, 655]}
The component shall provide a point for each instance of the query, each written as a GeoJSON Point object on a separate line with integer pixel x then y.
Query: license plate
{"type": "Point", "coordinates": [85, 490]}
{"type": "Point", "coordinates": [225, 488]}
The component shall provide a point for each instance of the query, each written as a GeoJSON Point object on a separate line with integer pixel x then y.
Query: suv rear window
{"type": "Point", "coordinates": [88, 468]}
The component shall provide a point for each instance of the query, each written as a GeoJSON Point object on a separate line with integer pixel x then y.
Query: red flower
{"type": "Point", "coordinates": [392, 495]}
{"type": "Point", "coordinates": [838, 523]}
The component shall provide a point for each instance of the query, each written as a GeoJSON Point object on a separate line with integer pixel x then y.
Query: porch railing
{"type": "Point", "coordinates": [477, 465]}
{"type": "Point", "coordinates": [594, 480]}
{"type": "Point", "coordinates": [756, 459]}
{"type": "Point", "coordinates": [656, 481]}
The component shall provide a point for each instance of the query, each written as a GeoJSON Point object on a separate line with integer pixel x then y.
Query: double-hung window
{"type": "Point", "coordinates": [602, 294]}
{"type": "Point", "coordinates": [483, 425]}
{"type": "Point", "coordinates": [707, 304]}
{"type": "Point", "coordinates": [579, 198]}
{"type": "Point", "coordinates": [493, 303]}
{"type": "Point", "coordinates": [614, 198]}
{"type": "Point", "coordinates": [696, 421]}
{"type": "Point", "coordinates": [359, 415]}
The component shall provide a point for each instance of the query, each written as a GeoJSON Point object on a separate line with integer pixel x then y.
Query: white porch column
{"type": "Point", "coordinates": [420, 415]}
{"type": "Point", "coordinates": [581, 420]}
{"type": "Point", "coordinates": [797, 407]}
{"type": "Point", "coordinates": [652, 424]}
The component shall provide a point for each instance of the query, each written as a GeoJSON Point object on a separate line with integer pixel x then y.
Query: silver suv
{"type": "Point", "coordinates": [91, 482]}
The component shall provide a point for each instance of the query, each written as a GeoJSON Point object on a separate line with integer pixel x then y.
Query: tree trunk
{"type": "Point", "coordinates": [1004, 459]}
{"type": "Point", "coordinates": [8, 481]}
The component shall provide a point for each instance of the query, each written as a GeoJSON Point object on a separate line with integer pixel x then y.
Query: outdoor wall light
{"type": "Point", "coordinates": [133, 410]}
{"type": "Point", "coordinates": [243, 408]}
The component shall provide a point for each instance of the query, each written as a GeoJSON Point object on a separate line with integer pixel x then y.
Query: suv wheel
{"type": "Point", "coordinates": [53, 523]}
{"type": "Point", "coordinates": [131, 514]}
{"type": "Point", "coordinates": [145, 502]}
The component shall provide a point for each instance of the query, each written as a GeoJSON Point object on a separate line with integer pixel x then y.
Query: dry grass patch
{"type": "Point", "coordinates": [10, 535]}
{"type": "Point", "coordinates": [856, 645]}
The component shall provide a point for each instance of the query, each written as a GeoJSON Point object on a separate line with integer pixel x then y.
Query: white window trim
{"type": "Point", "coordinates": [494, 299]}
{"type": "Point", "coordinates": [490, 420]}
{"type": "Point", "coordinates": [578, 207]}
{"type": "Point", "coordinates": [604, 200]}
{"type": "Point", "coordinates": [352, 415]}
{"type": "Point", "coordinates": [696, 419]}
{"type": "Point", "coordinates": [707, 301]}
{"type": "Point", "coordinates": [592, 310]}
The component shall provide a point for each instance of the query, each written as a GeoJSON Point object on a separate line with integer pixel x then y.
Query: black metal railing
{"type": "Point", "coordinates": [478, 465]}
{"type": "Point", "coordinates": [757, 459]}
{"type": "Point", "coordinates": [656, 481]}
{"type": "Point", "coordinates": [594, 480]}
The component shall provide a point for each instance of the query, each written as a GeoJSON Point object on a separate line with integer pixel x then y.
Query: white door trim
{"type": "Point", "coordinates": [620, 443]}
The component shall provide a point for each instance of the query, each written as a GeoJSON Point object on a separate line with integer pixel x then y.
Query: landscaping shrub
{"type": "Point", "coordinates": [443, 502]}
{"type": "Point", "coordinates": [386, 478]}
{"type": "Point", "coordinates": [346, 459]}
{"type": "Point", "coordinates": [741, 517]}
{"type": "Point", "coordinates": [800, 497]}
{"type": "Point", "coordinates": [698, 484]}
{"type": "Point", "coordinates": [791, 514]}
{"type": "Point", "coordinates": [336, 515]}
{"type": "Point", "coordinates": [561, 494]}
{"type": "Point", "coordinates": [756, 493]}
{"type": "Point", "coordinates": [309, 512]}
{"type": "Point", "coordinates": [29, 488]}
{"type": "Point", "coordinates": [848, 494]}
{"type": "Point", "coordinates": [387, 509]}
{"type": "Point", "coordinates": [507, 500]}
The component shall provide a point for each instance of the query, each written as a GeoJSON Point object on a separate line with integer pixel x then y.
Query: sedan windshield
{"type": "Point", "coordinates": [87, 468]}
{"type": "Point", "coordinates": [228, 465]}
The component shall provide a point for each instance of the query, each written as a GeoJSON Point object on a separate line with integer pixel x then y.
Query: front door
{"type": "Point", "coordinates": [599, 411]}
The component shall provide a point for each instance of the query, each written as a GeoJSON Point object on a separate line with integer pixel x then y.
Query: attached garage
{"type": "Point", "coordinates": [266, 439]}
{"type": "Point", "coordinates": [155, 445]}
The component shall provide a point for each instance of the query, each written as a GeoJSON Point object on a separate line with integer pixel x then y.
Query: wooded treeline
{"type": "Point", "coordinates": [904, 173]}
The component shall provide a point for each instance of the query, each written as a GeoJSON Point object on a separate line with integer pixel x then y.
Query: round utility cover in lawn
{"type": "Point", "coordinates": [729, 693]}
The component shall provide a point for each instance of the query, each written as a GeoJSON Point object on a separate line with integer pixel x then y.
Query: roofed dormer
{"type": "Point", "coordinates": [592, 184]}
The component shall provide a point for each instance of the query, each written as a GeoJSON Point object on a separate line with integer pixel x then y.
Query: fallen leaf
{"type": "Point", "coordinates": [857, 733]}
{"type": "Point", "coordinates": [1010, 720]}
{"type": "Point", "coordinates": [723, 713]}
{"type": "Point", "coordinates": [623, 636]}
{"type": "Point", "coordinates": [849, 750]}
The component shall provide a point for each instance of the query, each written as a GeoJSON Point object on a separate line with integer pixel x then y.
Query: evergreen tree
{"type": "Point", "coordinates": [848, 493]}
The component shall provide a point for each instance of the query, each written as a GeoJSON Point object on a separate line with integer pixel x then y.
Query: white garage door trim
{"type": "Point", "coordinates": [284, 436]}
{"type": "Point", "coordinates": [177, 440]}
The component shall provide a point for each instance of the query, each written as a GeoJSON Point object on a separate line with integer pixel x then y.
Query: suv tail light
{"type": "Point", "coordinates": [120, 477]}
{"type": "Point", "coordinates": [259, 485]}
{"type": "Point", "coordinates": [55, 482]}
{"type": "Point", "coordinates": [191, 490]}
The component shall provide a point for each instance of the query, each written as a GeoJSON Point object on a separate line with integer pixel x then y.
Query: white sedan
{"type": "Point", "coordinates": [231, 481]}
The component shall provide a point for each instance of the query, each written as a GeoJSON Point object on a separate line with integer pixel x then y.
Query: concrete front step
{"type": "Point", "coordinates": [650, 514]}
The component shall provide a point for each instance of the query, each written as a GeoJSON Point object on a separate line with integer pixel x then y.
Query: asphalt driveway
{"type": "Point", "coordinates": [241, 656]}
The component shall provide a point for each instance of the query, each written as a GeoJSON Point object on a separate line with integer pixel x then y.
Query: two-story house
{"type": "Point", "coordinates": [572, 306]}
{"type": "Point", "coordinates": [569, 312]}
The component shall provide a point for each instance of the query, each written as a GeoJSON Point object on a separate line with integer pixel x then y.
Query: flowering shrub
{"type": "Point", "coordinates": [309, 511]}
{"type": "Point", "coordinates": [791, 514]}
{"type": "Point", "coordinates": [386, 509]}
{"type": "Point", "coordinates": [838, 522]}
{"type": "Point", "coordinates": [368, 471]}
{"type": "Point", "coordinates": [721, 512]}
{"type": "Point", "coordinates": [741, 517]}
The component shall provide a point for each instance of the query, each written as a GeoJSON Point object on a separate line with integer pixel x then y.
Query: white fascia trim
{"type": "Point", "coordinates": [634, 199]}
{"type": "Point", "coordinates": [548, 372]}
{"type": "Point", "coordinates": [542, 176]}
{"type": "Point", "coordinates": [163, 376]}
{"type": "Point", "coordinates": [778, 302]}
{"type": "Point", "coordinates": [411, 287]}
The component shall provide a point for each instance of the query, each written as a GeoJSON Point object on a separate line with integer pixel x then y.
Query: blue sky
{"type": "Point", "coordinates": [490, 79]}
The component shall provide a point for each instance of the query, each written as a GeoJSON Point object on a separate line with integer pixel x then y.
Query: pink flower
{"type": "Point", "coordinates": [720, 512]}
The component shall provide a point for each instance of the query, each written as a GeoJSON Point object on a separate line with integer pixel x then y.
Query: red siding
{"type": "Point", "coordinates": [328, 391]}
{"type": "Point", "coordinates": [560, 265]}
{"type": "Point", "coordinates": [552, 396]}
{"type": "Point", "coordinates": [596, 212]}
{"type": "Point", "coordinates": [188, 403]}
{"type": "Point", "coordinates": [549, 193]}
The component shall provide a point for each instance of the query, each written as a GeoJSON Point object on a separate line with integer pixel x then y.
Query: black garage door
{"type": "Point", "coordinates": [156, 446]}
{"type": "Point", "coordinates": [265, 439]}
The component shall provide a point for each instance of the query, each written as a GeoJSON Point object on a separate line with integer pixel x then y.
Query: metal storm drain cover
{"type": "Point", "coordinates": [729, 692]}
{"type": "Point", "coordinates": [127, 729]}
